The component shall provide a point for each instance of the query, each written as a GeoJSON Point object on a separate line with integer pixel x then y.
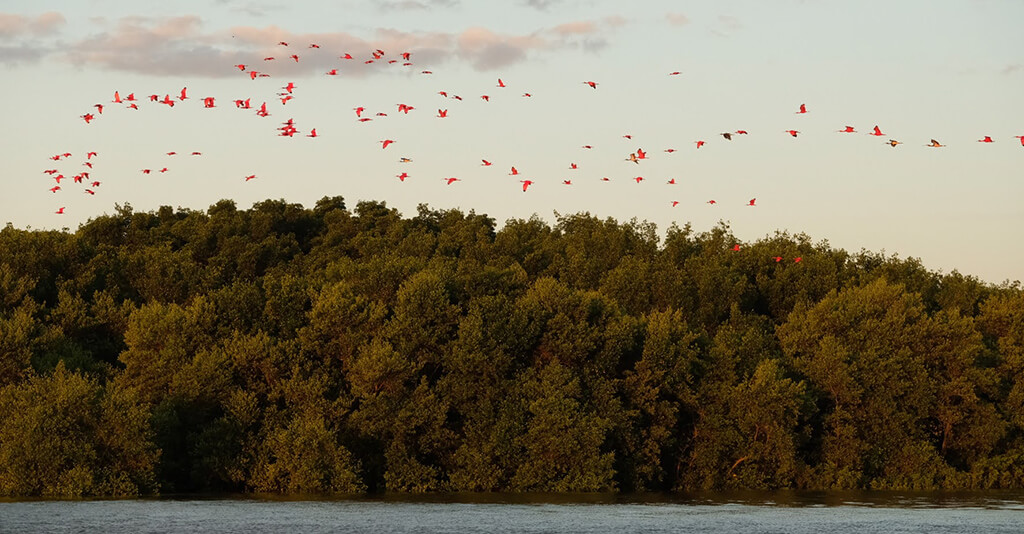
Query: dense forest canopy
{"type": "Point", "coordinates": [285, 349]}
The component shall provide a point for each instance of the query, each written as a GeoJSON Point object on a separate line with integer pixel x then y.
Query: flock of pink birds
{"type": "Point", "coordinates": [289, 128]}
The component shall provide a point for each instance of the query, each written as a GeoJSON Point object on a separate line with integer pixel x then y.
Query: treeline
{"type": "Point", "coordinates": [284, 349]}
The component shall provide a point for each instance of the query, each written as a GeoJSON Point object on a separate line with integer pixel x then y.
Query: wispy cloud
{"type": "Point", "coordinates": [542, 5]}
{"type": "Point", "coordinates": [165, 46]}
{"type": "Point", "coordinates": [589, 35]}
{"type": "Point", "coordinates": [730, 22]}
{"type": "Point", "coordinates": [48, 23]}
{"type": "Point", "coordinates": [175, 46]}
{"type": "Point", "coordinates": [487, 50]}
{"type": "Point", "coordinates": [415, 5]}
{"type": "Point", "coordinates": [677, 19]}
{"type": "Point", "coordinates": [13, 55]}
{"type": "Point", "coordinates": [23, 38]}
{"type": "Point", "coordinates": [248, 7]}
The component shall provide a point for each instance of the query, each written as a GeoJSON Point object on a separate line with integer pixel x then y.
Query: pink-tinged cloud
{"type": "Point", "coordinates": [575, 28]}
{"type": "Point", "coordinates": [178, 46]}
{"type": "Point", "coordinates": [487, 50]}
{"type": "Point", "coordinates": [677, 19]}
{"type": "Point", "coordinates": [166, 46]}
{"type": "Point", "coordinates": [614, 21]}
{"type": "Point", "coordinates": [15, 25]}
{"type": "Point", "coordinates": [588, 35]}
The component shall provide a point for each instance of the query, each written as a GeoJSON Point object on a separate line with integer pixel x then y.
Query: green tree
{"type": "Point", "coordinates": [64, 435]}
{"type": "Point", "coordinates": [562, 445]}
{"type": "Point", "coordinates": [860, 349]}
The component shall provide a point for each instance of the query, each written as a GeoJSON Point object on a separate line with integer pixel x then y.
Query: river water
{"type": "Point", "coordinates": [785, 512]}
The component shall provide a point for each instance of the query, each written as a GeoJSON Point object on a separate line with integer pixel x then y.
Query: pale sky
{"type": "Point", "coordinates": [952, 71]}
